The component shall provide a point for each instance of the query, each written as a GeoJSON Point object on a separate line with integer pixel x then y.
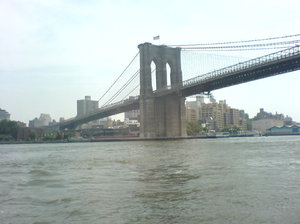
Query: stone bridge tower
{"type": "Point", "coordinates": [161, 116]}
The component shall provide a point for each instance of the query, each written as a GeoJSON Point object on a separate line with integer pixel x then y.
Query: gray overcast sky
{"type": "Point", "coordinates": [54, 52]}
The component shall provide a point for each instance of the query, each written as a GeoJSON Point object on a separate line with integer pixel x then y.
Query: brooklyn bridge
{"type": "Point", "coordinates": [156, 74]}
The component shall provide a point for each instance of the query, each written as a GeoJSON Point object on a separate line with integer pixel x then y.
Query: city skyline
{"type": "Point", "coordinates": [53, 53]}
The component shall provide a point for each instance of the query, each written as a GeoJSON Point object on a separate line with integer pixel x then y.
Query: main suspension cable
{"type": "Point", "coordinates": [235, 49]}
{"type": "Point", "coordinates": [247, 46]}
{"type": "Point", "coordinates": [235, 42]}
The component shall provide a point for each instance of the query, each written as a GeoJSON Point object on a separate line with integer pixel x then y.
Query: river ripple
{"type": "Point", "coordinates": [232, 180]}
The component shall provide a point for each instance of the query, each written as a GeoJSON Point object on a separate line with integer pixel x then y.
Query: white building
{"type": "Point", "coordinates": [42, 121]}
{"type": "Point", "coordinates": [128, 122]}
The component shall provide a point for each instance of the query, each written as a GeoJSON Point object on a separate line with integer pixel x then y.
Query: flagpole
{"type": "Point", "coordinates": [157, 39]}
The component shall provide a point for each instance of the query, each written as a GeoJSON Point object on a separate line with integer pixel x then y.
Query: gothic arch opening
{"type": "Point", "coordinates": [153, 76]}
{"type": "Point", "coordinates": [168, 69]}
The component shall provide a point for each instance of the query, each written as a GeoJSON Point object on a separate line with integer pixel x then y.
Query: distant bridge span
{"type": "Point", "coordinates": [112, 109]}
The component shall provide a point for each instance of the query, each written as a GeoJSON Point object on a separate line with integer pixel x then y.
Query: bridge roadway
{"type": "Point", "coordinates": [269, 65]}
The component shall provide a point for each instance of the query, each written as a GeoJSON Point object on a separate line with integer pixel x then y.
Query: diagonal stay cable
{"type": "Point", "coordinates": [131, 91]}
{"type": "Point", "coordinates": [119, 76]}
{"type": "Point", "coordinates": [123, 87]}
{"type": "Point", "coordinates": [136, 86]}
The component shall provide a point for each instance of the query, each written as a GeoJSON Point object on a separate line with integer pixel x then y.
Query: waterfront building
{"type": "Point", "coordinates": [43, 120]}
{"type": "Point", "coordinates": [215, 116]}
{"type": "Point", "coordinates": [4, 115]}
{"type": "Point", "coordinates": [288, 121]}
{"type": "Point", "coordinates": [262, 125]}
{"type": "Point", "coordinates": [266, 115]}
{"type": "Point", "coordinates": [211, 116]}
{"type": "Point", "coordinates": [86, 106]}
{"type": "Point", "coordinates": [191, 113]}
{"type": "Point", "coordinates": [263, 121]}
{"type": "Point", "coordinates": [128, 123]}
{"type": "Point", "coordinates": [33, 123]}
{"type": "Point", "coordinates": [284, 130]}
{"type": "Point", "coordinates": [236, 119]}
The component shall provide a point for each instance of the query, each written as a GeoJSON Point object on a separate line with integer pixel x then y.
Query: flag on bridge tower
{"type": "Point", "coordinates": [156, 37]}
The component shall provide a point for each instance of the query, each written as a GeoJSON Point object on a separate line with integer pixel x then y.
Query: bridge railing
{"type": "Point", "coordinates": [244, 65]}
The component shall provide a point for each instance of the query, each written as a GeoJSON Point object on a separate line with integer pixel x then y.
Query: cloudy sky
{"type": "Point", "coordinates": [54, 52]}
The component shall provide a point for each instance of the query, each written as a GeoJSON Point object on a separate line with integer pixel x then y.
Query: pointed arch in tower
{"type": "Point", "coordinates": [162, 116]}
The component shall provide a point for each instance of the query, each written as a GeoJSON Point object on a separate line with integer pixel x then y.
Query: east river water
{"type": "Point", "coordinates": [231, 180]}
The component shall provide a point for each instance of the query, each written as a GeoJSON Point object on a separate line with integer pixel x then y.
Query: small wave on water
{"type": "Point", "coordinates": [76, 216]}
{"type": "Point", "coordinates": [37, 182]}
{"type": "Point", "coordinates": [76, 212]}
{"type": "Point", "coordinates": [59, 201]}
{"type": "Point", "coordinates": [43, 182]}
{"type": "Point", "coordinates": [41, 177]}
{"type": "Point", "coordinates": [42, 222]}
{"type": "Point", "coordinates": [294, 163]}
{"type": "Point", "coordinates": [40, 172]}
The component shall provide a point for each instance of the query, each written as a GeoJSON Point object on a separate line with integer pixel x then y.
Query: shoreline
{"type": "Point", "coordinates": [128, 138]}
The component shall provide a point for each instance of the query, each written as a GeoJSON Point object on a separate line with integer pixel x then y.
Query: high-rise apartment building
{"type": "Point", "coordinates": [216, 116]}
{"type": "Point", "coordinates": [86, 106]}
{"type": "Point", "coordinates": [193, 108]}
